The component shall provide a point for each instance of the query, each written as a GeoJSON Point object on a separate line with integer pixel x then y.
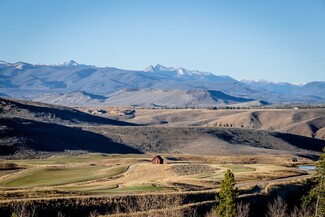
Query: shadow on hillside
{"type": "Point", "coordinates": [68, 114]}
{"type": "Point", "coordinates": [302, 142]}
{"type": "Point", "coordinates": [38, 136]}
{"type": "Point", "coordinates": [265, 139]}
{"type": "Point", "coordinates": [221, 95]}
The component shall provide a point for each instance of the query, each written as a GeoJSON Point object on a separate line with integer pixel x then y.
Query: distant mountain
{"type": "Point", "coordinates": [173, 98]}
{"type": "Point", "coordinates": [276, 87]}
{"type": "Point", "coordinates": [184, 72]}
{"type": "Point", "coordinates": [146, 98]}
{"type": "Point", "coordinates": [70, 63]}
{"type": "Point", "coordinates": [24, 80]}
{"type": "Point", "coordinates": [313, 92]}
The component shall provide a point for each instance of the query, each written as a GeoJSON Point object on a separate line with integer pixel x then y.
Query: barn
{"type": "Point", "coordinates": [157, 160]}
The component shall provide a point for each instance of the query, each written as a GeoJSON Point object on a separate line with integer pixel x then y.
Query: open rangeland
{"type": "Point", "coordinates": [304, 122]}
{"type": "Point", "coordinates": [58, 158]}
{"type": "Point", "coordinates": [120, 174]}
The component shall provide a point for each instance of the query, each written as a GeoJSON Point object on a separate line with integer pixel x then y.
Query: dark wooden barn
{"type": "Point", "coordinates": [157, 160]}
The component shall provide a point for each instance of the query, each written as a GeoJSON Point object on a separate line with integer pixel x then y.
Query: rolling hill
{"type": "Point", "coordinates": [145, 98]}
{"type": "Point", "coordinates": [304, 122]}
{"type": "Point", "coordinates": [212, 141]}
{"type": "Point", "coordinates": [52, 114]}
{"type": "Point", "coordinates": [32, 130]}
{"type": "Point", "coordinates": [309, 123]}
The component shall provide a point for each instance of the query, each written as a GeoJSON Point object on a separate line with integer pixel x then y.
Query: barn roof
{"type": "Point", "coordinates": [159, 157]}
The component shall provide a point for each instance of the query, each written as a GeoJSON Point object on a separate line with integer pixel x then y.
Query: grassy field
{"type": "Point", "coordinates": [237, 168]}
{"type": "Point", "coordinates": [120, 174]}
{"type": "Point", "coordinates": [59, 176]}
{"type": "Point", "coordinates": [88, 158]}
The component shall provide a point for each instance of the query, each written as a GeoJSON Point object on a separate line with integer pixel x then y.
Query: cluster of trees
{"type": "Point", "coordinates": [220, 124]}
{"type": "Point", "coordinates": [313, 204]}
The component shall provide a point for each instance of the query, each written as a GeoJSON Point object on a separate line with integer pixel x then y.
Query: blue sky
{"type": "Point", "coordinates": [278, 40]}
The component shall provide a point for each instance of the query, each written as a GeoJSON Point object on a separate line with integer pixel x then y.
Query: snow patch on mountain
{"type": "Point", "coordinates": [179, 71]}
{"type": "Point", "coordinates": [69, 63]}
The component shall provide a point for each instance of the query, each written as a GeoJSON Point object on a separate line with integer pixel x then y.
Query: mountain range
{"type": "Point", "coordinates": [72, 83]}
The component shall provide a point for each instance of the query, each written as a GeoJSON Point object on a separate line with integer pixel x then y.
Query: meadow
{"type": "Point", "coordinates": [126, 174]}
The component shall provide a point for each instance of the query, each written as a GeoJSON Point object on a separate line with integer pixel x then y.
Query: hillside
{"type": "Point", "coordinates": [304, 122]}
{"type": "Point", "coordinates": [22, 138]}
{"type": "Point", "coordinates": [301, 122]}
{"type": "Point", "coordinates": [145, 98]}
{"type": "Point", "coordinates": [75, 98]}
{"type": "Point", "coordinates": [33, 130]}
{"type": "Point", "coordinates": [212, 140]}
{"type": "Point", "coordinates": [51, 113]}
{"type": "Point", "coordinates": [29, 128]}
{"type": "Point", "coordinates": [173, 98]}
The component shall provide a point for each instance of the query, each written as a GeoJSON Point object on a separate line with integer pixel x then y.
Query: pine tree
{"type": "Point", "coordinates": [317, 193]}
{"type": "Point", "coordinates": [227, 195]}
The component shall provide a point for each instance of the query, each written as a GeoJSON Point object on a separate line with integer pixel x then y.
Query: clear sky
{"type": "Point", "coordinates": [276, 40]}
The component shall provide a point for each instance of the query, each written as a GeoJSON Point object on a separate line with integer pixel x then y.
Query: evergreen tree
{"type": "Point", "coordinates": [227, 195]}
{"type": "Point", "coordinates": [317, 193]}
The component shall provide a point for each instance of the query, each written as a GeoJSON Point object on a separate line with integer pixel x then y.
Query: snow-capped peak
{"type": "Point", "coordinates": [249, 81]}
{"type": "Point", "coordinates": [149, 69]}
{"type": "Point", "coordinates": [70, 63]}
{"type": "Point", "coordinates": [159, 68]}
{"type": "Point", "coordinates": [180, 71]}
{"type": "Point", "coordinates": [262, 81]}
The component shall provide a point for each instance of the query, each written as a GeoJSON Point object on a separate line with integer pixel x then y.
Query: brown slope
{"type": "Point", "coordinates": [14, 108]}
{"type": "Point", "coordinates": [320, 134]}
{"type": "Point", "coordinates": [211, 141]}
{"type": "Point", "coordinates": [312, 128]}
{"type": "Point", "coordinates": [180, 117]}
{"type": "Point", "coordinates": [22, 138]}
{"type": "Point", "coordinates": [301, 122]}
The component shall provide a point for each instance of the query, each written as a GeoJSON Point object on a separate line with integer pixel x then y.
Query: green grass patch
{"type": "Point", "coordinates": [237, 168]}
{"type": "Point", "coordinates": [58, 176]}
{"type": "Point", "coordinates": [88, 158]}
{"type": "Point", "coordinates": [206, 176]}
{"type": "Point", "coordinates": [62, 159]}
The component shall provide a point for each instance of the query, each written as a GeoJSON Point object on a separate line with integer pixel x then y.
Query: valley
{"type": "Point", "coordinates": [81, 155]}
{"type": "Point", "coordinates": [162, 108]}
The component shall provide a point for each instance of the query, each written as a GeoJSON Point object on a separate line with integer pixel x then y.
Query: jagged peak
{"type": "Point", "coordinates": [70, 63]}
{"type": "Point", "coordinates": [180, 71]}
{"type": "Point", "coordinates": [149, 68]}
{"type": "Point", "coordinates": [159, 68]}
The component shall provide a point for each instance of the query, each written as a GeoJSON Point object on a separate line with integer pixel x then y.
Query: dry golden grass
{"type": "Point", "coordinates": [284, 120]}
{"type": "Point", "coordinates": [179, 173]}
